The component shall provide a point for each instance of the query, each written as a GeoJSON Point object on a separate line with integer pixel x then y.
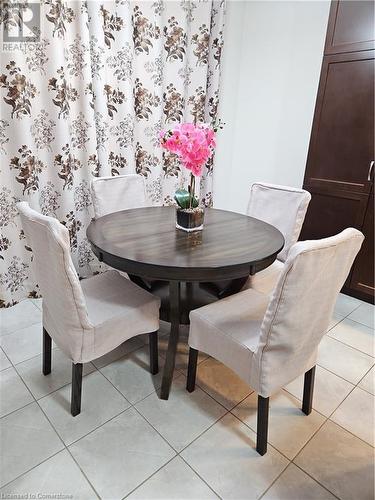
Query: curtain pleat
{"type": "Point", "coordinates": [89, 99]}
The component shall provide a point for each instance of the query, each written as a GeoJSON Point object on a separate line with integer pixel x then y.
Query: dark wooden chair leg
{"type": "Point", "coordinates": [47, 352]}
{"type": "Point", "coordinates": [308, 391]}
{"type": "Point", "coordinates": [192, 369]}
{"type": "Point", "coordinates": [75, 404]}
{"type": "Point", "coordinates": [262, 425]}
{"type": "Point", "coordinates": [153, 344]}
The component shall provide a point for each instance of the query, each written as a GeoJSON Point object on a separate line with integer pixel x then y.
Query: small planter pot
{"type": "Point", "coordinates": [190, 219]}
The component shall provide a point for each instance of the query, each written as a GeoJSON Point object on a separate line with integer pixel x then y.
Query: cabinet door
{"type": "Point", "coordinates": [342, 138]}
{"type": "Point", "coordinates": [330, 212]}
{"type": "Point", "coordinates": [350, 26]}
{"type": "Point", "coordinates": [362, 278]}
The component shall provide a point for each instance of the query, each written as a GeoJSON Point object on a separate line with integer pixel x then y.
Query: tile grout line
{"type": "Point", "coordinates": [178, 453]}
{"type": "Point", "coordinates": [22, 328]}
{"type": "Point", "coordinates": [31, 324]}
{"type": "Point", "coordinates": [53, 427]}
{"type": "Point", "coordinates": [29, 470]}
{"type": "Point", "coordinates": [326, 419]}
{"type": "Point", "coordinates": [27, 359]}
{"type": "Point", "coordinates": [365, 375]}
{"type": "Point", "coordinates": [315, 433]}
{"type": "Point", "coordinates": [274, 481]}
{"type": "Point", "coordinates": [313, 478]}
{"type": "Point", "coordinates": [132, 405]}
{"type": "Point", "coordinates": [278, 477]}
{"type": "Point", "coordinates": [359, 322]}
{"type": "Point", "coordinates": [17, 409]}
{"type": "Point", "coordinates": [346, 316]}
{"type": "Point", "coordinates": [72, 457]}
{"type": "Point", "coordinates": [147, 478]}
{"type": "Point", "coordinates": [70, 454]}
{"type": "Point", "coordinates": [346, 397]}
{"type": "Point", "coordinates": [347, 345]}
{"type": "Point", "coordinates": [58, 435]}
{"type": "Point", "coordinates": [5, 354]}
{"type": "Point", "coordinates": [268, 442]}
{"type": "Point", "coordinates": [68, 383]}
{"type": "Point", "coordinates": [342, 378]}
{"type": "Point", "coordinates": [200, 477]}
{"type": "Point", "coordinates": [289, 461]}
{"type": "Point", "coordinates": [336, 407]}
{"type": "Point", "coordinates": [350, 432]}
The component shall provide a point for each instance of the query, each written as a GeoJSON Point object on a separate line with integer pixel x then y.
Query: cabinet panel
{"type": "Point", "coordinates": [341, 146]}
{"type": "Point", "coordinates": [331, 212]}
{"type": "Point", "coordinates": [350, 26]}
{"type": "Point", "coordinates": [363, 270]}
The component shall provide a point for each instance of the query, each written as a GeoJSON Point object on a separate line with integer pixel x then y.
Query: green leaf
{"type": "Point", "coordinates": [182, 198]}
{"type": "Point", "coordinates": [195, 202]}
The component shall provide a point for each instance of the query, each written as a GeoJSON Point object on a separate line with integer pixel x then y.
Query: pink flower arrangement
{"type": "Point", "coordinates": [194, 144]}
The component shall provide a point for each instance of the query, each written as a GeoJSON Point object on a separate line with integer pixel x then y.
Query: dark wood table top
{"type": "Point", "coordinates": [145, 242]}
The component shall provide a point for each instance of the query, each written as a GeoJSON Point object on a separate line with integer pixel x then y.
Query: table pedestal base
{"type": "Point", "coordinates": [178, 299]}
{"type": "Point", "coordinates": [191, 296]}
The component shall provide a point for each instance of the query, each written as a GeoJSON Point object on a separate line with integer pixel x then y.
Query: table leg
{"type": "Point", "coordinates": [187, 304]}
{"type": "Point", "coordinates": [174, 300]}
{"type": "Point", "coordinates": [233, 287]}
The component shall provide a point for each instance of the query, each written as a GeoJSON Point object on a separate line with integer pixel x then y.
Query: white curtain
{"type": "Point", "coordinates": [89, 99]}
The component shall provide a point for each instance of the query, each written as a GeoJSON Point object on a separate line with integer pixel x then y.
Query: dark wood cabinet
{"type": "Point", "coordinates": [342, 140]}
{"type": "Point", "coordinates": [339, 166]}
{"type": "Point", "coordinates": [362, 277]}
{"type": "Point", "coordinates": [350, 26]}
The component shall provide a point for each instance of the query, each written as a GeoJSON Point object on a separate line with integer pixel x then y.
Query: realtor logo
{"type": "Point", "coordinates": [21, 22]}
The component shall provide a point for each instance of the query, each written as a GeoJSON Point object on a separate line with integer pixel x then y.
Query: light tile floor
{"type": "Point", "coordinates": [129, 443]}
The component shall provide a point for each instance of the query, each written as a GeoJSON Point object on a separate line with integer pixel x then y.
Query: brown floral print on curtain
{"type": "Point", "coordinates": [89, 99]}
{"type": "Point", "coordinates": [20, 90]}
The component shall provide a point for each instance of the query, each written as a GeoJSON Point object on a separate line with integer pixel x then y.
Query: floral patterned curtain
{"type": "Point", "coordinates": [89, 99]}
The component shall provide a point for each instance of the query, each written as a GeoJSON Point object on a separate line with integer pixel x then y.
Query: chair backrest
{"type": "Point", "coordinates": [112, 194]}
{"type": "Point", "coordinates": [301, 308]}
{"type": "Point", "coordinates": [54, 271]}
{"type": "Point", "coordinates": [282, 206]}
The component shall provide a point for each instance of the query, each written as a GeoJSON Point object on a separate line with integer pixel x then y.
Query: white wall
{"type": "Point", "coordinates": [271, 65]}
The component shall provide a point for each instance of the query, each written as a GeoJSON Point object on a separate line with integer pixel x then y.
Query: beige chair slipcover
{"type": "Point", "coordinates": [87, 318]}
{"type": "Point", "coordinates": [285, 208]}
{"type": "Point", "coordinates": [121, 192]}
{"type": "Point", "coordinates": [269, 341]}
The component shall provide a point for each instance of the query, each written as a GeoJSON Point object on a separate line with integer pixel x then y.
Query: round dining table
{"type": "Point", "coordinates": [184, 268]}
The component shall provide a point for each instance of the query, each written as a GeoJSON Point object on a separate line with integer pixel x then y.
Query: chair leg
{"type": "Point", "coordinates": [153, 344]}
{"type": "Point", "coordinates": [308, 391]}
{"type": "Point", "coordinates": [192, 369]}
{"type": "Point", "coordinates": [47, 352]}
{"type": "Point", "coordinates": [262, 424]}
{"type": "Point", "coordinates": [75, 404]}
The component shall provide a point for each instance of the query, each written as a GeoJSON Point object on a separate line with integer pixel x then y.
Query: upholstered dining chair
{"type": "Point", "coordinates": [88, 318]}
{"type": "Point", "coordinates": [121, 192]}
{"type": "Point", "coordinates": [285, 208]}
{"type": "Point", "coordinates": [267, 341]}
